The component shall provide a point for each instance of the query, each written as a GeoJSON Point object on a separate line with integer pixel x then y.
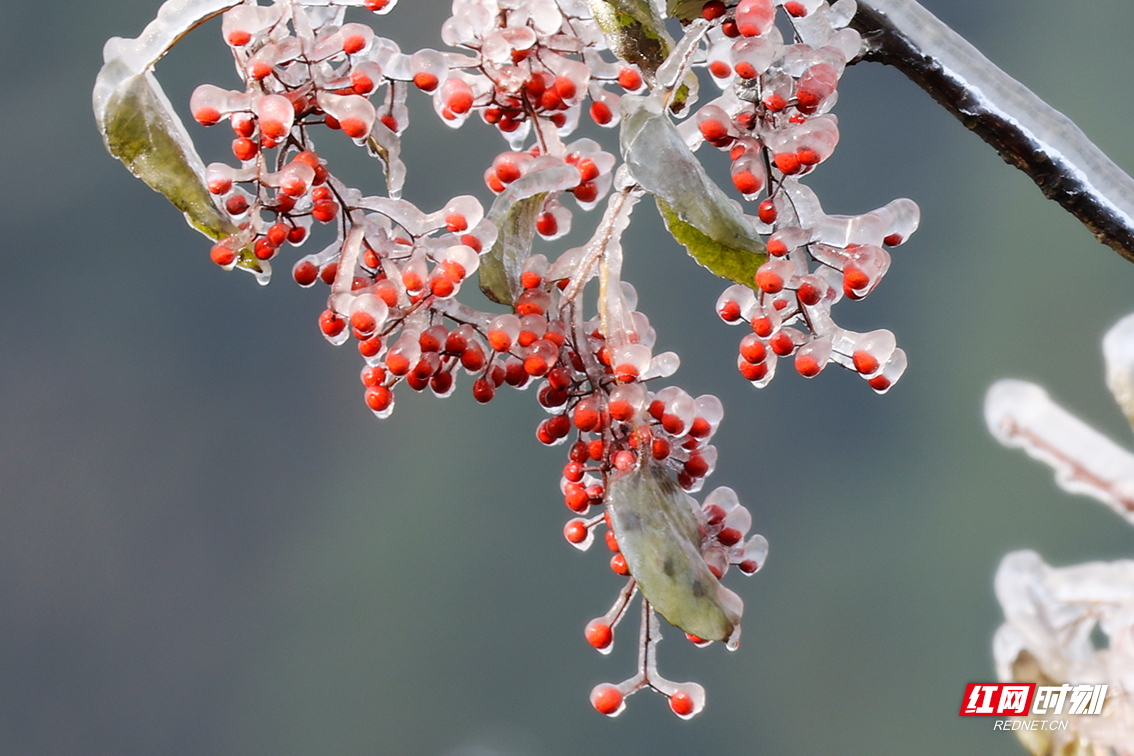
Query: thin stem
{"type": "Point", "coordinates": [1026, 131]}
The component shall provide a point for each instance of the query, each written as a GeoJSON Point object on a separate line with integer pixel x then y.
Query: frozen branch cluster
{"type": "Point", "coordinates": [531, 71]}
{"type": "Point", "coordinates": [1050, 613]}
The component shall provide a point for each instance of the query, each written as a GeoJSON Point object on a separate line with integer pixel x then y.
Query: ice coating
{"type": "Point", "coordinates": [1022, 414]}
{"type": "Point", "coordinates": [993, 95]}
{"type": "Point", "coordinates": [1050, 614]}
{"type": "Point", "coordinates": [1118, 354]}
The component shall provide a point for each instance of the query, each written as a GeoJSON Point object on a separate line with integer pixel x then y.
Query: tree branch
{"type": "Point", "coordinates": [1026, 131]}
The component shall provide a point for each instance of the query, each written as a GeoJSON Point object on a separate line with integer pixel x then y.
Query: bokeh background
{"type": "Point", "coordinates": [209, 545]}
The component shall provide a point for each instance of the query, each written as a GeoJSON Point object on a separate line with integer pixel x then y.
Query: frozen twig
{"type": "Point", "coordinates": [1026, 131]}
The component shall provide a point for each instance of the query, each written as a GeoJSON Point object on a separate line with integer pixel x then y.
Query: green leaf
{"type": "Point", "coordinates": [141, 130]}
{"type": "Point", "coordinates": [140, 127]}
{"type": "Point", "coordinates": [658, 535]}
{"type": "Point", "coordinates": [684, 10]}
{"type": "Point", "coordinates": [501, 267]}
{"type": "Point", "coordinates": [736, 265]}
{"type": "Point", "coordinates": [634, 31]}
{"type": "Point", "coordinates": [696, 211]}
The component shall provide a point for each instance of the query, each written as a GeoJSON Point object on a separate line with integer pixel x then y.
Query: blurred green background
{"type": "Point", "coordinates": [209, 545]}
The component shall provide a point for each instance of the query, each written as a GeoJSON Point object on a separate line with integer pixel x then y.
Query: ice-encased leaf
{"type": "Point", "coordinates": [684, 10]}
{"type": "Point", "coordinates": [1085, 461]}
{"type": "Point", "coordinates": [140, 127]}
{"type": "Point", "coordinates": [736, 265]}
{"type": "Point", "coordinates": [697, 212]}
{"type": "Point", "coordinates": [658, 535]}
{"type": "Point", "coordinates": [634, 31]}
{"type": "Point", "coordinates": [501, 267]}
{"type": "Point", "coordinates": [514, 214]}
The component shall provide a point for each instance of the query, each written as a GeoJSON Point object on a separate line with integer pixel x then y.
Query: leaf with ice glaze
{"type": "Point", "coordinates": [634, 31]}
{"type": "Point", "coordinates": [514, 214]}
{"type": "Point", "coordinates": [140, 127]}
{"type": "Point", "coordinates": [697, 212]}
{"type": "Point", "coordinates": [658, 535]}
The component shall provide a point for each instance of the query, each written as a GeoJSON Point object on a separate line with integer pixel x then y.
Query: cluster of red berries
{"type": "Point", "coordinates": [774, 121]}
{"type": "Point", "coordinates": [393, 271]}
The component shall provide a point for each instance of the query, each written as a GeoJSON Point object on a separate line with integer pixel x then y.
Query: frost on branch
{"type": "Point", "coordinates": [1050, 613]}
{"type": "Point", "coordinates": [1085, 461]}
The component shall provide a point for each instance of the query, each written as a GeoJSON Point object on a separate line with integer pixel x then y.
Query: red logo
{"type": "Point", "coordinates": [997, 699]}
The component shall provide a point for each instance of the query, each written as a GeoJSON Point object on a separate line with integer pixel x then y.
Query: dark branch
{"type": "Point", "coordinates": [1027, 132]}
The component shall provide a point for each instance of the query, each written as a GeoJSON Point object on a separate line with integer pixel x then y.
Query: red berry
{"type": "Point", "coordinates": [807, 156]}
{"type": "Point", "coordinates": [713, 9]}
{"type": "Point", "coordinates": [573, 471]}
{"type": "Point", "coordinates": [599, 634]}
{"type": "Point", "coordinates": [595, 449]}
{"type": "Point", "coordinates": [630, 79]}
{"type": "Point", "coordinates": [223, 255]}
{"type": "Point", "coordinates": [747, 183]}
{"type": "Point", "coordinates": [483, 391]}
{"type": "Point", "coordinates": [576, 498]}
{"type": "Point", "coordinates": [618, 564]}
{"type": "Point", "coordinates": [879, 383]}
{"type": "Point", "coordinates": [865, 362]}
{"type": "Point", "coordinates": [788, 162]}
{"type": "Point", "coordinates": [681, 703]}
{"type": "Point", "coordinates": [745, 70]}
{"type": "Point", "coordinates": [782, 344]}
{"type": "Point", "coordinates": [376, 5]}
{"type": "Point", "coordinates": [720, 69]}
{"type": "Point", "coordinates": [696, 466]}
{"type": "Point", "coordinates": [441, 383]}
{"type": "Point", "coordinates": [586, 191]}
{"type": "Point", "coordinates": [425, 81]}
{"type": "Point", "coordinates": [809, 294]}
{"type": "Point", "coordinates": [769, 281]}
{"type": "Point", "coordinates": [854, 279]}
{"type": "Point", "coordinates": [546, 225]}
{"type": "Point", "coordinates": [795, 8]}
{"type": "Point", "coordinates": [807, 366]}
{"type": "Point", "coordinates": [236, 205]}
{"type": "Point", "coordinates": [777, 248]}
{"type": "Point", "coordinates": [586, 418]}
{"type": "Point", "coordinates": [207, 116]}
{"type": "Point", "coordinates": [600, 113]}
{"type": "Point", "coordinates": [752, 349]}
{"type": "Point", "coordinates": [767, 211]}
{"type": "Point", "coordinates": [762, 326]}
{"type": "Point", "coordinates": [239, 38]}
{"type": "Point", "coordinates": [331, 323]}
{"type": "Point", "coordinates": [325, 211]}
{"type": "Point", "coordinates": [713, 130]}
{"type": "Point", "coordinates": [753, 372]}
{"type": "Point", "coordinates": [575, 531]}
{"type": "Point", "coordinates": [565, 87]}
{"type": "Point", "coordinates": [606, 699]}
{"type": "Point", "coordinates": [264, 249]}
{"type": "Point", "coordinates": [296, 234]}
{"type": "Point", "coordinates": [893, 240]}
{"type": "Point", "coordinates": [673, 424]}
{"type": "Point", "coordinates": [361, 83]}
{"type": "Point", "coordinates": [378, 398]}
{"type": "Point", "coordinates": [244, 148]}
{"type": "Point", "coordinates": [305, 273]}
{"type": "Point", "coordinates": [729, 311]}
